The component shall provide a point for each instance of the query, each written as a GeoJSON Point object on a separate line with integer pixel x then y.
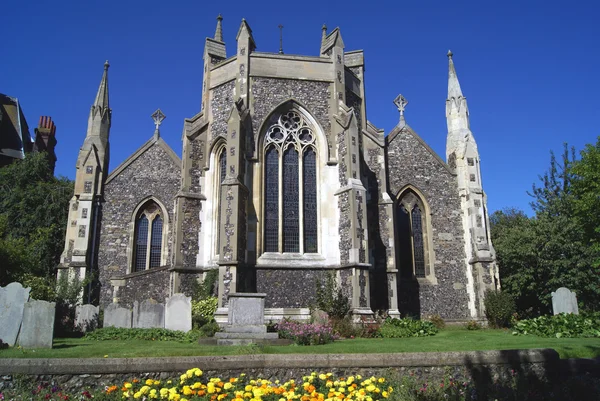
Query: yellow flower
{"type": "Point", "coordinates": [384, 394]}
{"type": "Point", "coordinates": [106, 356]}
{"type": "Point", "coordinates": [227, 386]}
{"type": "Point", "coordinates": [370, 388]}
{"type": "Point", "coordinates": [149, 382]}
{"type": "Point", "coordinates": [126, 394]}
{"type": "Point", "coordinates": [248, 387]}
{"type": "Point", "coordinates": [350, 380]}
{"type": "Point", "coordinates": [127, 385]}
{"type": "Point", "coordinates": [187, 390]}
{"type": "Point", "coordinates": [381, 380]}
{"type": "Point", "coordinates": [137, 395]}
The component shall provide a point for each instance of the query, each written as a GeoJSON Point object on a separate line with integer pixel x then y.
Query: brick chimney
{"type": "Point", "coordinates": [45, 139]}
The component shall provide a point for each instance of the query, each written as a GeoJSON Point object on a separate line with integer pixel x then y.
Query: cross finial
{"type": "Point", "coordinates": [401, 103]}
{"type": "Point", "coordinates": [158, 116]}
{"type": "Point", "coordinates": [280, 39]}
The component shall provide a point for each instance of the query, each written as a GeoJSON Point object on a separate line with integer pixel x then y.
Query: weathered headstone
{"type": "Point", "coordinates": [12, 302]}
{"type": "Point", "coordinates": [37, 329]}
{"type": "Point", "coordinates": [246, 321]}
{"type": "Point", "coordinates": [148, 314]}
{"type": "Point", "coordinates": [178, 313]}
{"type": "Point", "coordinates": [319, 316]}
{"type": "Point", "coordinates": [117, 316]}
{"type": "Point", "coordinates": [564, 301]}
{"type": "Point", "coordinates": [86, 317]}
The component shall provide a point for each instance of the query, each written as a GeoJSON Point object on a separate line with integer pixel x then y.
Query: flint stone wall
{"type": "Point", "coordinates": [288, 288]}
{"type": "Point", "coordinates": [153, 173]}
{"type": "Point", "coordinates": [148, 284]}
{"type": "Point", "coordinates": [410, 162]}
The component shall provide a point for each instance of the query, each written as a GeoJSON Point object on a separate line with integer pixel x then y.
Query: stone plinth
{"type": "Point", "coordinates": [245, 321]}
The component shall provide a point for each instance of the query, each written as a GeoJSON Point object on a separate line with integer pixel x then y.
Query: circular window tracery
{"type": "Point", "coordinates": [290, 128]}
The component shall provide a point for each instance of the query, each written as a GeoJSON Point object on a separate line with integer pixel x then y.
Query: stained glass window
{"type": "Point", "coordinates": [141, 243]}
{"type": "Point", "coordinates": [222, 165]}
{"type": "Point", "coordinates": [417, 231]}
{"type": "Point", "coordinates": [291, 218]}
{"type": "Point", "coordinates": [290, 150]}
{"type": "Point", "coordinates": [404, 246]}
{"type": "Point", "coordinates": [309, 180]}
{"type": "Point", "coordinates": [272, 200]}
{"type": "Point", "coordinates": [156, 242]}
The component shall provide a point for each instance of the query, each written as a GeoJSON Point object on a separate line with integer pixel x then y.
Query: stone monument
{"type": "Point", "coordinates": [12, 303]}
{"type": "Point", "coordinates": [86, 317]}
{"type": "Point", "coordinates": [246, 321]}
{"type": "Point", "coordinates": [117, 316]}
{"type": "Point", "coordinates": [564, 301]}
{"type": "Point", "coordinates": [148, 314]}
{"type": "Point", "coordinates": [37, 329]}
{"type": "Point", "coordinates": [178, 313]}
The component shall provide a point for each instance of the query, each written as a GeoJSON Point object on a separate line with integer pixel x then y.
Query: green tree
{"type": "Point", "coordinates": [586, 191]}
{"type": "Point", "coordinates": [550, 250]}
{"type": "Point", "coordinates": [33, 217]}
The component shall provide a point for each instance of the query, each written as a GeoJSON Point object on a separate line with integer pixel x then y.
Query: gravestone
{"type": "Point", "coordinates": [178, 313]}
{"type": "Point", "coordinates": [148, 314]}
{"type": "Point", "coordinates": [246, 321]}
{"type": "Point", "coordinates": [12, 302]}
{"type": "Point", "coordinates": [564, 301]}
{"type": "Point", "coordinates": [86, 317]}
{"type": "Point", "coordinates": [37, 329]}
{"type": "Point", "coordinates": [117, 316]}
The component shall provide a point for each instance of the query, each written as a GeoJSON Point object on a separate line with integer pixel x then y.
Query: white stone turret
{"type": "Point", "coordinates": [81, 240]}
{"type": "Point", "coordinates": [462, 156]}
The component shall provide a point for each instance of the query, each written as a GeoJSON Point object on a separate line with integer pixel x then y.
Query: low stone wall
{"type": "Point", "coordinates": [483, 366]}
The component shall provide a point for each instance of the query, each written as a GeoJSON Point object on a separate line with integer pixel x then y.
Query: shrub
{"type": "Point", "coordinates": [473, 325]}
{"type": "Point", "coordinates": [114, 333]}
{"type": "Point", "coordinates": [562, 325]}
{"type": "Point", "coordinates": [203, 311]}
{"type": "Point", "coordinates": [499, 307]}
{"type": "Point", "coordinates": [331, 298]}
{"type": "Point", "coordinates": [305, 333]}
{"type": "Point", "coordinates": [209, 329]}
{"type": "Point", "coordinates": [344, 327]}
{"type": "Point", "coordinates": [406, 327]}
{"type": "Point", "coordinates": [3, 345]}
{"type": "Point", "coordinates": [437, 321]}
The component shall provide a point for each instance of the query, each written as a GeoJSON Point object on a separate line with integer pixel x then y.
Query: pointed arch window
{"type": "Point", "coordinates": [290, 185]}
{"type": "Point", "coordinates": [221, 173]}
{"type": "Point", "coordinates": [148, 238]}
{"type": "Point", "coordinates": [411, 237]}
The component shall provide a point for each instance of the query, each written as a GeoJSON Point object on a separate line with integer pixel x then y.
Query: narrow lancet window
{"type": "Point", "coordinates": [291, 218]}
{"type": "Point", "coordinates": [309, 181]}
{"type": "Point", "coordinates": [141, 243]}
{"type": "Point", "coordinates": [156, 242]}
{"type": "Point", "coordinates": [272, 200]}
{"type": "Point", "coordinates": [417, 231]}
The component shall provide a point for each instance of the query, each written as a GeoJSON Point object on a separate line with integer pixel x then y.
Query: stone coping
{"type": "Point", "coordinates": [65, 366]}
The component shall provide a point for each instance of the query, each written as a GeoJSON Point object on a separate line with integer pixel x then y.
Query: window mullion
{"type": "Point", "coordinates": [301, 200]}
{"type": "Point", "coordinates": [280, 215]}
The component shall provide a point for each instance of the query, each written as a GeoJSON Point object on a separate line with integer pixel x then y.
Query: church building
{"type": "Point", "coordinates": [282, 181]}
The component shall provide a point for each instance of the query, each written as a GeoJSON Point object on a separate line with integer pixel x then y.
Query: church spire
{"type": "Point", "coordinates": [323, 33]}
{"type": "Point", "coordinates": [219, 30]}
{"type": "Point", "coordinates": [102, 95]}
{"type": "Point", "coordinates": [453, 84]}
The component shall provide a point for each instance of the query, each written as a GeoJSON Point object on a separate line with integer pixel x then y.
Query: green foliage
{"type": "Point", "coordinates": [203, 311]}
{"type": "Point", "coordinates": [555, 248]}
{"type": "Point", "coordinates": [437, 321]}
{"type": "Point", "coordinates": [207, 287]}
{"type": "Point", "coordinates": [209, 329]}
{"type": "Point", "coordinates": [113, 333]}
{"type": "Point", "coordinates": [473, 325]}
{"type": "Point", "coordinates": [33, 217]}
{"type": "Point", "coordinates": [344, 327]}
{"type": "Point", "coordinates": [564, 325]}
{"type": "Point", "coordinates": [499, 307]}
{"type": "Point", "coordinates": [330, 298]}
{"type": "Point", "coordinates": [406, 327]}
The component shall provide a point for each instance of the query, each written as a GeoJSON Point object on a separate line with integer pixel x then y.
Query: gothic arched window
{"type": "Point", "coordinates": [221, 173]}
{"type": "Point", "coordinates": [148, 237]}
{"type": "Point", "coordinates": [411, 227]}
{"type": "Point", "coordinates": [290, 183]}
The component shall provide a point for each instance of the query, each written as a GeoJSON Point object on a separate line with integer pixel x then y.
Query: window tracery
{"type": "Point", "coordinates": [290, 183]}
{"type": "Point", "coordinates": [411, 229]}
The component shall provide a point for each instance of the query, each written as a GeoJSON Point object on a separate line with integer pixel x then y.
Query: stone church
{"type": "Point", "coordinates": [283, 180]}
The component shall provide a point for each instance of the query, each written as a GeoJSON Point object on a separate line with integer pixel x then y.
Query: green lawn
{"type": "Point", "coordinates": [452, 339]}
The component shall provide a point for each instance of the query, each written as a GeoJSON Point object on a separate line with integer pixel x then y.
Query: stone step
{"type": "Point", "coordinates": [255, 336]}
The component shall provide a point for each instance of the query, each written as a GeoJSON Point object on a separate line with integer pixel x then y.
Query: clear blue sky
{"type": "Point", "coordinates": [528, 68]}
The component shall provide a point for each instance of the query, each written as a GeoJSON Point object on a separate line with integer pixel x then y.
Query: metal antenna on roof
{"type": "Point", "coordinates": [280, 39]}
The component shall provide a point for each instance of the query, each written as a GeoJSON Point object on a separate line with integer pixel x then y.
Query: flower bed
{"type": "Point", "coordinates": [305, 333]}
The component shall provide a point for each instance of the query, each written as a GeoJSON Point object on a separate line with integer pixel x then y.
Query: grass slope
{"type": "Point", "coordinates": [450, 339]}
